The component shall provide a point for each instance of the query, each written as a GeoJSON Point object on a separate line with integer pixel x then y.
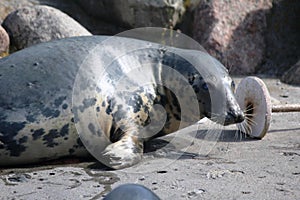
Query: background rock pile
{"type": "Point", "coordinates": [248, 37]}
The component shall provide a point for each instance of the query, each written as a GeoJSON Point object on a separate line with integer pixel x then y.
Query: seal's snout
{"type": "Point", "coordinates": [236, 116]}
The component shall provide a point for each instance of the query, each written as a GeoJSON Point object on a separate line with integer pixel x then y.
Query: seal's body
{"type": "Point", "coordinates": [37, 119]}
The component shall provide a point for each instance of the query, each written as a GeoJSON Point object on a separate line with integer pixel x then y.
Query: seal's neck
{"type": "Point", "coordinates": [176, 117]}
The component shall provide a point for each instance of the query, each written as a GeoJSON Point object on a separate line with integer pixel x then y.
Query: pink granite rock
{"type": "Point", "coordinates": [4, 41]}
{"type": "Point", "coordinates": [233, 32]}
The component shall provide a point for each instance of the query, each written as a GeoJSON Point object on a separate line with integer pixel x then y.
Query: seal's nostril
{"type": "Point", "coordinates": [238, 116]}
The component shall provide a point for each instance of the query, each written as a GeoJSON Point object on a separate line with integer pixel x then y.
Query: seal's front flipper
{"type": "Point", "coordinates": [124, 153]}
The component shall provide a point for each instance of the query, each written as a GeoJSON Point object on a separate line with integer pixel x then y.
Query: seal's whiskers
{"type": "Point", "coordinates": [246, 125]}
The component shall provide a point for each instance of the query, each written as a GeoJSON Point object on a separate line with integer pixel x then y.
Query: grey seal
{"type": "Point", "coordinates": [38, 121]}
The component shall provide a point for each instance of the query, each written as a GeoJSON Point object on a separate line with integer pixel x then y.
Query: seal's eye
{"type": "Point", "coordinates": [204, 86]}
{"type": "Point", "coordinates": [232, 85]}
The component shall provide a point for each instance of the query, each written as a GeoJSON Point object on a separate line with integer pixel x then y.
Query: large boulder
{"type": "Point", "coordinates": [31, 25]}
{"type": "Point", "coordinates": [282, 37]}
{"type": "Point", "coordinates": [70, 7]}
{"type": "Point", "coordinates": [109, 17]}
{"type": "Point", "coordinates": [7, 6]}
{"type": "Point", "coordinates": [233, 31]}
{"type": "Point", "coordinates": [136, 13]}
{"type": "Point", "coordinates": [292, 76]}
{"type": "Point", "coordinates": [4, 42]}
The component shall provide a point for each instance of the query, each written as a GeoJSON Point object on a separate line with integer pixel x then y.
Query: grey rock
{"type": "Point", "coordinates": [136, 13]}
{"type": "Point", "coordinates": [70, 7]}
{"type": "Point", "coordinates": [109, 17]}
{"type": "Point", "coordinates": [7, 6]}
{"type": "Point", "coordinates": [292, 75]}
{"type": "Point", "coordinates": [31, 25]}
{"type": "Point", "coordinates": [77, 12]}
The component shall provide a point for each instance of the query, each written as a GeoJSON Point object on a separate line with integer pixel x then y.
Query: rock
{"type": "Point", "coordinates": [233, 32]}
{"type": "Point", "coordinates": [136, 13]}
{"type": "Point", "coordinates": [7, 6]}
{"type": "Point", "coordinates": [31, 25]}
{"type": "Point", "coordinates": [292, 75]}
{"type": "Point", "coordinates": [282, 37]}
{"type": "Point", "coordinates": [186, 23]}
{"type": "Point", "coordinates": [109, 17]}
{"type": "Point", "coordinates": [4, 41]}
{"type": "Point", "coordinates": [76, 11]}
{"type": "Point", "coordinates": [70, 7]}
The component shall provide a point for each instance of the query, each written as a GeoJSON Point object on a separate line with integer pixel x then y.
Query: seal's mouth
{"type": "Point", "coordinates": [234, 119]}
{"type": "Point", "coordinates": [231, 117]}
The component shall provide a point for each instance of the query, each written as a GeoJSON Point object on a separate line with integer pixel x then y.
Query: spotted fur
{"type": "Point", "coordinates": [37, 119]}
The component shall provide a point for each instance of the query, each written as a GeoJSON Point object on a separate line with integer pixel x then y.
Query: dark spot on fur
{"type": "Point", "coordinates": [23, 139]}
{"type": "Point", "coordinates": [92, 128]}
{"type": "Point", "coordinates": [98, 109]}
{"type": "Point", "coordinates": [2, 115]}
{"type": "Point", "coordinates": [31, 118]}
{"type": "Point", "coordinates": [103, 104]}
{"type": "Point", "coordinates": [135, 102]}
{"type": "Point", "coordinates": [175, 102]}
{"type": "Point", "coordinates": [7, 137]}
{"type": "Point", "coordinates": [89, 102]}
{"type": "Point", "coordinates": [196, 88]}
{"type": "Point", "coordinates": [64, 130]}
{"type": "Point", "coordinates": [71, 151]}
{"type": "Point", "coordinates": [49, 138]}
{"type": "Point", "coordinates": [65, 106]}
{"type": "Point", "coordinates": [53, 134]}
{"type": "Point", "coordinates": [50, 113]}
{"type": "Point", "coordinates": [111, 104]}
{"type": "Point", "coordinates": [99, 133]}
{"type": "Point", "coordinates": [119, 114]}
{"type": "Point", "coordinates": [79, 143]}
{"type": "Point", "coordinates": [59, 101]}
{"type": "Point", "coordinates": [86, 104]}
{"type": "Point", "coordinates": [98, 89]}
{"type": "Point", "coordinates": [38, 133]}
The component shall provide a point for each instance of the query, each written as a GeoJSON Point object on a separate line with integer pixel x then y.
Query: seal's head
{"type": "Point", "coordinates": [215, 94]}
{"type": "Point", "coordinates": [213, 87]}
